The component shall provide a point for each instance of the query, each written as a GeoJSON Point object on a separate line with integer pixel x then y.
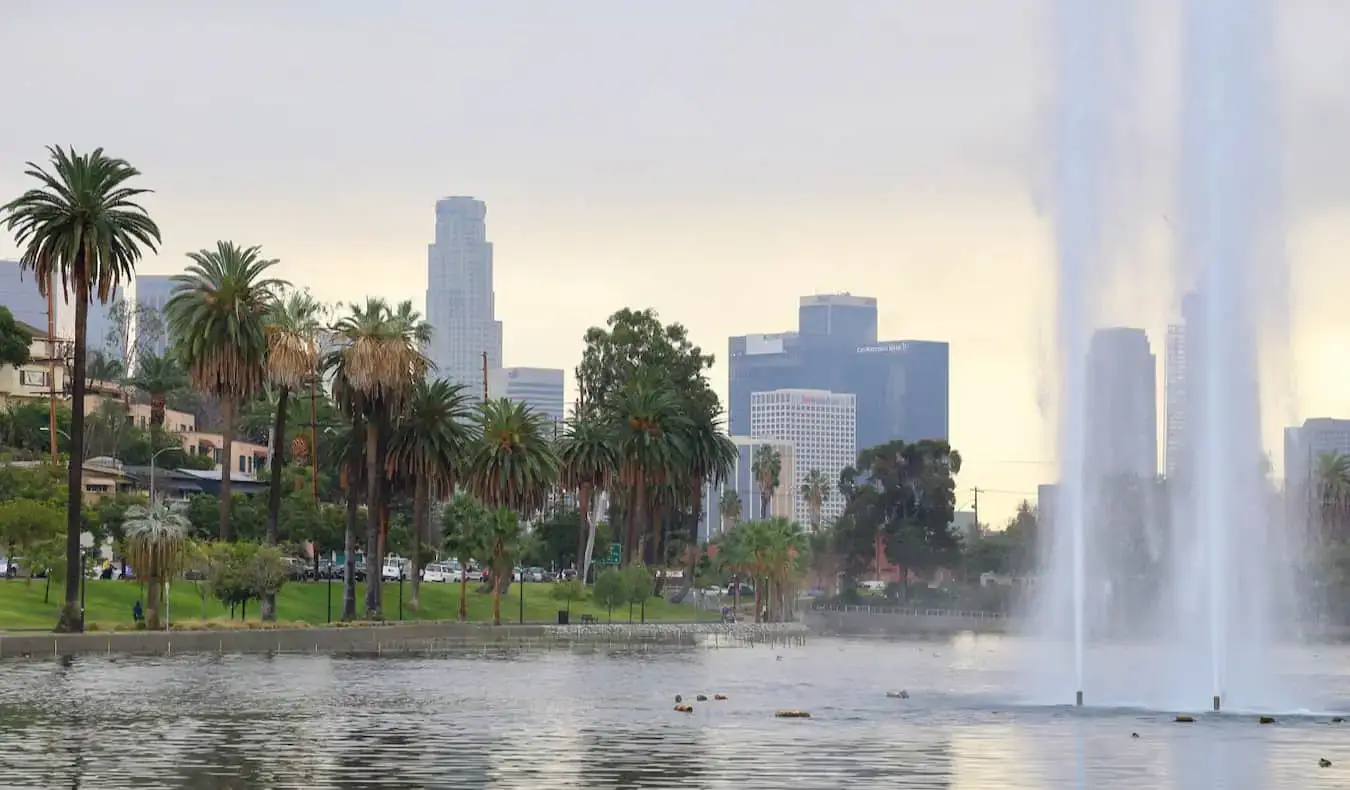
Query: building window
{"type": "Point", "coordinates": [241, 463]}
{"type": "Point", "coordinates": [34, 378]}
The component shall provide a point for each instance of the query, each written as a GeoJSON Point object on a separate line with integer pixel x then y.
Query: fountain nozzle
{"type": "Point", "coordinates": [1078, 699]}
{"type": "Point", "coordinates": [1216, 702]}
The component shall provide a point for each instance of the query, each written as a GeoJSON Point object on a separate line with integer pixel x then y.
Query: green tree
{"type": "Point", "coordinates": [241, 571]}
{"type": "Point", "coordinates": [502, 539]}
{"type": "Point", "coordinates": [464, 523]}
{"type": "Point", "coordinates": [26, 524]}
{"type": "Point", "coordinates": [767, 466]}
{"type": "Point", "coordinates": [102, 366]}
{"type": "Point", "coordinates": [158, 377]}
{"type": "Point", "coordinates": [156, 540]}
{"type": "Point", "coordinates": [815, 489]}
{"type": "Point", "coordinates": [429, 442]}
{"type": "Point", "coordinates": [634, 344]}
{"type": "Point", "coordinates": [586, 466]}
{"type": "Point", "coordinates": [637, 587]}
{"type": "Point", "coordinates": [81, 225]}
{"type": "Point", "coordinates": [15, 341]}
{"type": "Point", "coordinates": [610, 590]}
{"type": "Point", "coordinates": [217, 315]}
{"type": "Point", "coordinates": [711, 457]}
{"type": "Point", "coordinates": [567, 592]}
{"type": "Point", "coordinates": [650, 427]}
{"type": "Point", "coordinates": [512, 463]}
{"type": "Point", "coordinates": [729, 507]}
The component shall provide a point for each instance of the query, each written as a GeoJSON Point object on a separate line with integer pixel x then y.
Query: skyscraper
{"type": "Point", "coordinates": [19, 292]}
{"type": "Point", "coordinates": [1178, 384]}
{"type": "Point", "coordinates": [152, 294]}
{"type": "Point", "coordinates": [1122, 404]}
{"type": "Point", "coordinates": [822, 429]}
{"type": "Point", "coordinates": [901, 386]}
{"type": "Point", "coordinates": [460, 299]}
{"type": "Point", "coordinates": [540, 389]}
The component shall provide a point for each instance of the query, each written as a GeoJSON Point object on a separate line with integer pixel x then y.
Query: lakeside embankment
{"type": "Point", "coordinates": [394, 638]}
{"type": "Point", "coordinates": [842, 620]}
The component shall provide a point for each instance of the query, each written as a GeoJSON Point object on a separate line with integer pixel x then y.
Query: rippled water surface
{"type": "Point", "coordinates": [601, 719]}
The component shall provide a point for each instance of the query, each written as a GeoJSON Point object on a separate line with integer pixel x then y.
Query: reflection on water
{"type": "Point", "coordinates": [599, 719]}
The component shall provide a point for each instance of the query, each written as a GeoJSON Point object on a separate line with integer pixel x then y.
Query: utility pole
{"type": "Point", "coordinates": [51, 365]}
{"type": "Point", "coordinates": [976, 507]}
{"type": "Point", "coordinates": [485, 387]}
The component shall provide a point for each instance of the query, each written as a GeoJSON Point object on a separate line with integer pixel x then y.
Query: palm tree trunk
{"type": "Point", "coordinates": [226, 464]}
{"type": "Point", "coordinates": [419, 526]}
{"type": "Point", "coordinates": [72, 619]}
{"type": "Point", "coordinates": [694, 549]}
{"type": "Point", "coordinates": [152, 604]}
{"type": "Point", "coordinates": [349, 536]}
{"type": "Point", "coordinates": [268, 607]}
{"type": "Point", "coordinates": [591, 517]}
{"type": "Point", "coordinates": [497, 598]}
{"type": "Point", "coordinates": [157, 403]}
{"type": "Point", "coordinates": [463, 590]}
{"type": "Point", "coordinates": [630, 531]}
{"type": "Point", "coordinates": [584, 510]}
{"type": "Point", "coordinates": [374, 568]}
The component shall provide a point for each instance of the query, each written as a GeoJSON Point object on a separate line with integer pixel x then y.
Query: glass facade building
{"type": "Point", "coordinates": [901, 386]}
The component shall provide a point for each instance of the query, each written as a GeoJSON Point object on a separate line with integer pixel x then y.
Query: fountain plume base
{"type": "Point", "coordinates": [1078, 699]}
{"type": "Point", "coordinates": [1216, 702]}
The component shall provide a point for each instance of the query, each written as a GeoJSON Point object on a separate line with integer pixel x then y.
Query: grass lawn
{"type": "Point", "coordinates": [109, 603]}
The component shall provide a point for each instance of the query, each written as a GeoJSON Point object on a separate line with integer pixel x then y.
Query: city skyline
{"type": "Point", "coordinates": [716, 190]}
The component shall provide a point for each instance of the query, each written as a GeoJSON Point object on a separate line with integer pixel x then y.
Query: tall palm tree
{"type": "Point", "coordinates": [217, 315]}
{"type": "Point", "coordinates": [465, 525]}
{"type": "Point", "coordinates": [102, 367]}
{"type": "Point", "coordinates": [82, 225]}
{"type": "Point", "coordinates": [156, 541]}
{"type": "Point", "coordinates": [158, 376]}
{"type": "Point", "coordinates": [502, 538]}
{"type": "Point", "coordinates": [729, 507]}
{"type": "Point", "coordinates": [649, 426]}
{"type": "Point", "coordinates": [767, 467]}
{"type": "Point", "coordinates": [711, 455]}
{"type": "Point", "coordinates": [1331, 481]}
{"type": "Point", "coordinates": [376, 362]}
{"type": "Point", "coordinates": [586, 465]}
{"type": "Point", "coordinates": [292, 327]}
{"type": "Point", "coordinates": [816, 491]}
{"type": "Point", "coordinates": [427, 448]}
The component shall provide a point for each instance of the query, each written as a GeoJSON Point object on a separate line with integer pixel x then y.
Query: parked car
{"type": "Point", "coordinates": [475, 574]}
{"type": "Point", "coordinates": [392, 572]}
{"type": "Point", "coordinates": [295, 569]}
{"type": "Point", "coordinates": [567, 575]}
{"type": "Point", "coordinates": [534, 574]}
{"type": "Point", "coordinates": [436, 572]}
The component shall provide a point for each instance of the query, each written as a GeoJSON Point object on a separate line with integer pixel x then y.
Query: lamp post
{"type": "Point", "coordinates": [153, 456]}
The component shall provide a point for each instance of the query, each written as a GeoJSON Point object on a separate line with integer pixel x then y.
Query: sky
{"type": "Point", "coordinates": [712, 159]}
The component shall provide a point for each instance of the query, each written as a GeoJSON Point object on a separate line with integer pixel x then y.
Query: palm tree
{"type": "Point", "coordinates": [158, 376]}
{"type": "Point", "coordinates": [586, 465]}
{"type": "Point", "coordinates": [292, 327]}
{"type": "Point", "coordinates": [650, 448]}
{"type": "Point", "coordinates": [512, 464]}
{"type": "Point", "coordinates": [501, 540]}
{"type": "Point", "coordinates": [217, 315]}
{"type": "Point", "coordinates": [711, 455]}
{"type": "Point", "coordinates": [729, 507]}
{"type": "Point", "coordinates": [82, 225]}
{"type": "Point", "coordinates": [767, 467]}
{"type": "Point", "coordinates": [465, 525]}
{"type": "Point", "coordinates": [102, 367]}
{"type": "Point", "coordinates": [156, 543]}
{"type": "Point", "coordinates": [427, 447]}
{"type": "Point", "coordinates": [1331, 479]}
{"type": "Point", "coordinates": [376, 363]}
{"type": "Point", "coordinates": [816, 491]}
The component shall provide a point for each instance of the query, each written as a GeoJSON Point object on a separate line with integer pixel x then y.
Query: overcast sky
{"type": "Point", "coordinates": [714, 159]}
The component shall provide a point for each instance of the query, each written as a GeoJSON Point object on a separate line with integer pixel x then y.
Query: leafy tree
{"type": "Point", "coordinates": [241, 571]}
{"type": "Point", "coordinates": [637, 587]}
{"type": "Point", "coordinates": [610, 590]}
{"type": "Point", "coordinates": [634, 344]}
{"type": "Point", "coordinates": [15, 341]}
{"type": "Point", "coordinates": [24, 426]}
{"type": "Point", "coordinates": [81, 225]}
{"type": "Point", "coordinates": [217, 315]}
{"type": "Point", "coordinates": [567, 592]}
{"type": "Point", "coordinates": [156, 540]}
{"type": "Point", "coordinates": [464, 523]}
{"type": "Point", "coordinates": [553, 539]}
{"type": "Point", "coordinates": [26, 524]}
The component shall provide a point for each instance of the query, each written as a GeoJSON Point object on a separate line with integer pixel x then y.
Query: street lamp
{"type": "Point", "coordinates": [153, 456]}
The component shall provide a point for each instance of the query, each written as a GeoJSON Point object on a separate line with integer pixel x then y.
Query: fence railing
{"type": "Point", "coordinates": [909, 612]}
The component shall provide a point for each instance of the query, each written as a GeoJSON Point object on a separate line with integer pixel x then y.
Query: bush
{"type": "Point", "coordinates": [567, 592]}
{"type": "Point", "coordinates": [637, 585]}
{"type": "Point", "coordinates": [610, 590]}
{"type": "Point", "coordinates": [239, 572]}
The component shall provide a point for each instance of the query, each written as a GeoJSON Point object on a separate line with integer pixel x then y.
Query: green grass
{"type": "Point", "coordinates": [109, 604]}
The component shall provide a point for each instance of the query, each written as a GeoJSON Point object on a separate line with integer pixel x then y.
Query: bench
{"type": "Point", "coordinates": [588, 619]}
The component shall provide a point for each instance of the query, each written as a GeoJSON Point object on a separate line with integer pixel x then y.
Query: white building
{"type": "Point", "coordinates": [540, 389]}
{"type": "Point", "coordinates": [822, 427]}
{"type": "Point", "coordinates": [460, 299]}
{"type": "Point", "coordinates": [742, 480]}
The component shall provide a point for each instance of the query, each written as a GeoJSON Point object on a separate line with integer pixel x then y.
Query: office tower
{"type": "Point", "coordinates": [1122, 411]}
{"type": "Point", "coordinates": [19, 293]}
{"type": "Point", "coordinates": [99, 326]}
{"type": "Point", "coordinates": [1178, 385]}
{"type": "Point", "coordinates": [152, 294]}
{"type": "Point", "coordinates": [460, 300]}
{"type": "Point", "coordinates": [901, 386]}
{"type": "Point", "coordinates": [1305, 445]}
{"type": "Point", "coordinates": [541, 389]}
{"type": "Point", "coordinates": [822, 427]}
{"type": "Point", "coordinates": [742, 480]}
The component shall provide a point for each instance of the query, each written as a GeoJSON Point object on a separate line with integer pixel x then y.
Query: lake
{"type": "Point", "coordinates": [603, 719]}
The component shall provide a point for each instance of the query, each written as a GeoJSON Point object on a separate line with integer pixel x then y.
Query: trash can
{"type": "Point", "coordinates": [562, 617]}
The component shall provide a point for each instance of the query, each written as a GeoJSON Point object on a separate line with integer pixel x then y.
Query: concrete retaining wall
{"type": "Point", "coordinates": [392, 638]}
{"type": "Point", "coordinates": [861, 621]}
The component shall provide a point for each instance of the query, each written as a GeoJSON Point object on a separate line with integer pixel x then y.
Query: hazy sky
{"type": "Point", "coordinates": [714, 159]}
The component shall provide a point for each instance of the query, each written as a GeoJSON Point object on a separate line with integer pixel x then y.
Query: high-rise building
{"type": "Point", "coordinates": [99, 325]}
{"type": "Point", "coordinates": [742, 480]}
{"type": "Point", "coordinates": [152, 294]}
{"type": "Point", "coordinates": [901, 386]}
{"type": "Point", "coordinates": [1180, 369]}
{"type": "Point", "coordinates": [1122, 404]}
{"type": "Point", "coordinates": [19, 293]}
{"type": "Point", "coordinates": [540, 389]}
{"type": "Point", "coordinates": [822, 427]}
{"type": "Point", "coordinates": [460, 299]}
{"type": "Point", "coordinates": [1305, 445]}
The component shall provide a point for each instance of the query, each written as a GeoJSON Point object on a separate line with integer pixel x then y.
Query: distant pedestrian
{"type": "Point", "coordinates": [137, 613]}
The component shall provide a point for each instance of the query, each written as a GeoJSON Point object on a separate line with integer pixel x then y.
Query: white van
{"type": "Point", "coordinates": [437, 572]}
